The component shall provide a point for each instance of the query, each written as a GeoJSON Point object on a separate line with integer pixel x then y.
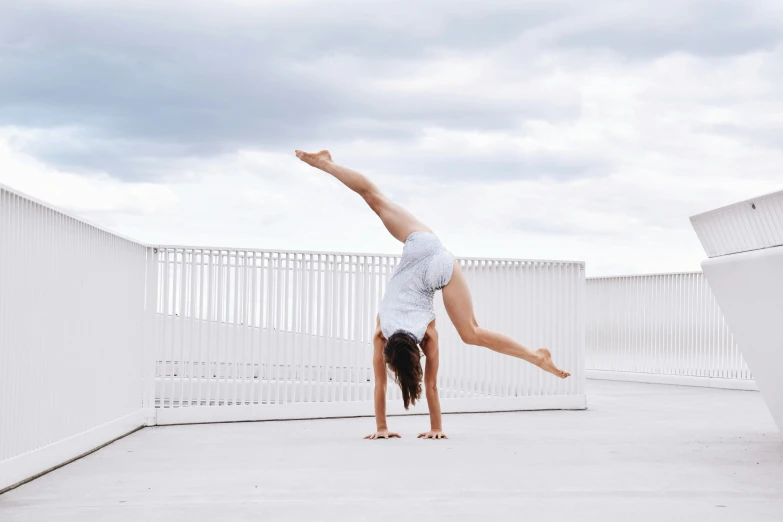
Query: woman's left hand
{"type": "Point", "coordinates": [432, 434]}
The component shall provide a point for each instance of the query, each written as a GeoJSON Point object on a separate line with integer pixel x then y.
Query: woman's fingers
{"type": "Point", "coordinates": [432, 435]}
{"type": "Point", "coordinates": [383, 435]}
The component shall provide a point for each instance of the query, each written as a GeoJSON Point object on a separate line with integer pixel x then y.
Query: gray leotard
{"type": "Point", "coordinates": [426, 266]}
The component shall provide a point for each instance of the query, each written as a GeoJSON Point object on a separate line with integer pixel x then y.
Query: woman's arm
{"type": "Point", "coordinates": [432, 352]}
{"type": "Point", "coordinates": [379, 368]}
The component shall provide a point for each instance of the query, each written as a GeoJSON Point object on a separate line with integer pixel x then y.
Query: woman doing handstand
{"type": "Point", "coordinates": [406, 318]}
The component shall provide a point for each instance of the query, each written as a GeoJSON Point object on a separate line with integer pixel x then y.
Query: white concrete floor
{"type": "Point", "coordinates": [641, 452]}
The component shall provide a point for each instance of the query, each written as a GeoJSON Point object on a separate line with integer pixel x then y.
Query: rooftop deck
{"type": "Point", "coordinates": [640, 452]}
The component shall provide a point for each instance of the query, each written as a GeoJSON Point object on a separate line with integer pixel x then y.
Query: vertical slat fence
{"type": "Point", "coordinates": [71, 336]}
{"type": "Point", "coordinates": [666, 324]}
{"type": "Point", "coordinates": [257, 327]}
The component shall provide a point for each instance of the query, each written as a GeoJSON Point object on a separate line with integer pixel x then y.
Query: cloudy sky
{"type": "Point", "coordinates": [556, 129]}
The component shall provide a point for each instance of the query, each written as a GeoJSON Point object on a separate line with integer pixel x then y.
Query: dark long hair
{"type": "Point", "coordinates": [403, 357]}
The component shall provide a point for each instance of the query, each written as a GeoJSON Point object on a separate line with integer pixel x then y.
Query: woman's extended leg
{"type": "Point", "coordinates": [398, 221]}
{"type": "Point", "coordinates": [459, 306]}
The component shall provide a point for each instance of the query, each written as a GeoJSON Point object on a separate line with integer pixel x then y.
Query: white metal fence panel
{"type": "Point", "coordinates": [538, 303]}
{"type": "Point", "coordinates": [750, 225]}
{"type": "Point", "coordinates": [241, 327]}
{"type": "Point", "coordinates": [71, 311]}
{"type": "Point", "coordinates": [666, 324]}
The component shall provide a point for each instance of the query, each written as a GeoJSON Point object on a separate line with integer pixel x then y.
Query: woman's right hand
{"type": "Point", "coordinates": [383, 434]}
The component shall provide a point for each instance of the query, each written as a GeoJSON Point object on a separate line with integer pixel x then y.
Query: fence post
{"type": "Point", "coordinates": [150, 338]}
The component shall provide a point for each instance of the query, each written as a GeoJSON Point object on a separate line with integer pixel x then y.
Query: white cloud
{"type": "Point", "coordinates": [518, 146]}
{"type": "Point", "coordinates": [96, 196]}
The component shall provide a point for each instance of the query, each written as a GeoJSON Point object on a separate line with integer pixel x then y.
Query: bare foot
{"type": "Point", "coordinates": [546, 364]}
{"type": "Point", "coordinates": [314, 159]}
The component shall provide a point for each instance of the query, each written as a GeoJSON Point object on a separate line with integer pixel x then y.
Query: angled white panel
{"type": "Point", "coordinates": [742, 227]}
{"type": "Point", "coordinates": [745, 272]}
{"type": "Point", "coordinates": [749, 289]}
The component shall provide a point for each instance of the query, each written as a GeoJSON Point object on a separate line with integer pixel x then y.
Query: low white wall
{"type": "Point", "coordinates": [677, 380]}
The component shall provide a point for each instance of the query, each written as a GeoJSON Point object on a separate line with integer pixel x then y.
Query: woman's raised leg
{"type": "Point", "coordinates": [398, 221]}
{"type": "Point", "coordinates": [459, 306]}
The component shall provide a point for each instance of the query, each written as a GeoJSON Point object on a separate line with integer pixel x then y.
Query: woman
{"type": "Point", "coordinates": [406, 319]}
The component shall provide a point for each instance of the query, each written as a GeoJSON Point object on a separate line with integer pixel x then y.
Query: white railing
{"type": "Point", "coordinates": [668, 324]}
{"type": "Point", "coordinates": [71, 335]}
{"type": "Point", "coordinates": [254, 328]}
{"type": "Point", "coordinates": [100, 335]}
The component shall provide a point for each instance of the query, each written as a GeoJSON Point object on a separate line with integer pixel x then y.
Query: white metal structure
{"type": "Point", "coordinates": [255, 334]}
{"type": "Point", "coordinates": [100, 335]}
{"type": "Point", "coordinates": [664, 328]}
{"type": "Point", "coordinates": [72, 303]}
{"type": "Point", "coordinates": [749, 225]}
{"type": "Point", "coordinates": [745, 270]}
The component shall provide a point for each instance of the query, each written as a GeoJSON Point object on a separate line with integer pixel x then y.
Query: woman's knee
{"type": "Point", "coordinates": [374, 199]}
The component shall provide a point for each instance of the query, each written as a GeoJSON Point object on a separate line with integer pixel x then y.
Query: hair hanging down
{"type": "Point", "coordinates": [403, 357]}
